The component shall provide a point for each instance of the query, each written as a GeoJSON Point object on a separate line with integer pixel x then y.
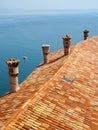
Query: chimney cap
{"type": "Point", "coordinates": [67, 37]}
{"type": "Point", "coordinates": [12, 61]}
{"type": "Point", "coordinates": [86, 31]}
{"type": "Point", "coordinates": [45, 45]}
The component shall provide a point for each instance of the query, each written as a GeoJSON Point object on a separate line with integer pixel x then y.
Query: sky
{"type": "Point", "coordinates": [49, 4]}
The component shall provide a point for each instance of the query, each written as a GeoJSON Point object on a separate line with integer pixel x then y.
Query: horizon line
{"type": "Point", "coordinates": [52, 9]}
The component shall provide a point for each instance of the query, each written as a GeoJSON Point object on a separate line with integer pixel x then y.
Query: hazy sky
{"type": "Point", "coordinates": [49, 4]}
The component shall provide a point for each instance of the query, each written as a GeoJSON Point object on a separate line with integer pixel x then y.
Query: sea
{"type": "Point", "coordinates": [23, 32]}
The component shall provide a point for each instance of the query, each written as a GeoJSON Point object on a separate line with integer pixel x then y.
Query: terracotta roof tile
{"type": "Point", "coordinates": [9, 103]}
{"type": "Point", "coordinates": [61, 95]}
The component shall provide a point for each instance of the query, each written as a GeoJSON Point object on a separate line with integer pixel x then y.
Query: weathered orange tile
{"type": "Point", "coordinates": [49, 101]}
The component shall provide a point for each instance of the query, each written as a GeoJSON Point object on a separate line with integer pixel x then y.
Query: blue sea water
{"type": "Point", "coordinates": [24, 33]}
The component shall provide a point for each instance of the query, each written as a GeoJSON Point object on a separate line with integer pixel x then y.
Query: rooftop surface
{"type": "Point", "coordinates": [60, 95]}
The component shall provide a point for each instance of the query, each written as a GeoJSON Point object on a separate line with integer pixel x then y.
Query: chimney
{"type": "Point", "coordinates": [66, 44]}
{"type": "Point", "coordinates": [45, 49]}
{"type": "Point", "coordinates": [13, 73]}
{"type": "Point", "coordinates": [85, 34]}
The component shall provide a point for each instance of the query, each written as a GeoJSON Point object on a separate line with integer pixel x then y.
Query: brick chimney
{"type": "Point", "coordinates": [13, 73]}
{"type": "Point", "coordinates": [66, 44]}
{"type": "Point", "coordinates": [45, 49]}
{"type": "Point", "coordinates": [85, 34]}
